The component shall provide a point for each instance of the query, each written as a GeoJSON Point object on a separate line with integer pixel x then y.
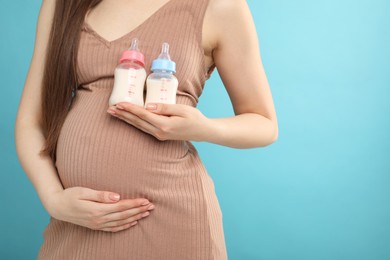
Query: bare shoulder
{"type": "Point", "coordinates": [222, 6]}
{"type": "Point", "coordinates": [221, 11]}
{"type": "Point", "coordinates": [220, 18]}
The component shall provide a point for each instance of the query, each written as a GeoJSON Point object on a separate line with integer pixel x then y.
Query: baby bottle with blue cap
{"type": "Point", "coordinates": [161, 84]}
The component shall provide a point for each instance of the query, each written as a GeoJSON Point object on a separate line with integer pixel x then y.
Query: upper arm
{"type": "Point", "coordinates": [29, 110]}
{"type": "Point", "coordinates": [237, 58]}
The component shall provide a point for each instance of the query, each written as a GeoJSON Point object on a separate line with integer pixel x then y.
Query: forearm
{"type": "Point", "coordinates": [247, 130]}
{"type": "Point", "coordinates": [39, 169]}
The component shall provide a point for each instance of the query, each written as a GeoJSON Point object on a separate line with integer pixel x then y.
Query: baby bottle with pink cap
{"type": "Point", "coordinates": [130, 76]}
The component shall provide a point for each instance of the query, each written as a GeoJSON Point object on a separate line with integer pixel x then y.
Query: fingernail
{"type": "Point", "coordinates": [146, 202]}
{"type": "Point", "coordinates": [145, 214]}
{"type": "Point", "coordinates": [119, 106]}
{"type": "Point", "coordinates": [132, 224]}
{"type": "Point", "coordinates": [111, 111]}
{"type": "Point", "coordinates": [114, 196]}
{"type": "Point", "coordinates": [151, 106]}
{"type": "Point", "coordinates": [151, 207]}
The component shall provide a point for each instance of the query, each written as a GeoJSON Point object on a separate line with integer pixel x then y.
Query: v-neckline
{"type": "Point", "coordinates": [109, 43]}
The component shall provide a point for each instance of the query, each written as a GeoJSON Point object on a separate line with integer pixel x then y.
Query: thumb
{"type": "Point", "coordinates": [167, 109]}
{"type": "Point", "coordinates": [99, 196]}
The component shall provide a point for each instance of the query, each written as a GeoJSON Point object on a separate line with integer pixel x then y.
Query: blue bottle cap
{"type": "Point", "coordinates": [164, 62]}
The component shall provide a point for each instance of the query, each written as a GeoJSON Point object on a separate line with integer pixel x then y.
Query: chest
{"type": "Point", "coordinates": [115, 18]}
{"type": "Point", "coordinates": [98, 57]}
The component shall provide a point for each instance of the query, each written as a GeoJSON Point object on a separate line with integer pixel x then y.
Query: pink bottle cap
{"type": "Point", "coordinates": [133, 54]}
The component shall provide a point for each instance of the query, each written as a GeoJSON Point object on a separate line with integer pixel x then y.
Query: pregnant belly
{"type": "Point", "coordinates": [99, 151]}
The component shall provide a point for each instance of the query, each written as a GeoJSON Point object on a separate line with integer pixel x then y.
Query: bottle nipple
{"type": "Point", "coordinates": [164, 62]}
{"type": "Point", "coordinates": [133, 54]}
{"type": "Point", "coordinates": [165, 52]}
{"type": "Point", "coordinates": [134, 45]}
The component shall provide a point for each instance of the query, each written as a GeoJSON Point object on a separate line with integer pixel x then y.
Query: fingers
{"type": "Point", "coordinates": [98, 196]}
{"type": "Point", "coordinates": [96, 210]}
{"type": "Point", "coordinates": [150, 123]}
{"type": "Point", "coordinates": [134, 120]}
{"type": "Point", "coordinates": [122, 205]}
{"type": "Point", "coordinates": [119, 228]}
{"type": "Point", "coordinates": [167, 109]}
{"type": "Point", "coordinates": [120, 219]}
{"type": "Point", "coordinates": [140, 112]}
{"type": "Point", "coordinates": [121, 222]}
{"type": "Point", "coordinates": [131, 206]}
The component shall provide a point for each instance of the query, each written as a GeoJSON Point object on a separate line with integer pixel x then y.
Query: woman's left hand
{"type": "Point", "coordinates": [165, 121]}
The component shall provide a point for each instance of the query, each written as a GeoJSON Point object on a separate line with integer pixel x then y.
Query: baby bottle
{"type": "Point", "coordinates": [161, 84]}
{"type": "Point", "coordinates": [130, 77]}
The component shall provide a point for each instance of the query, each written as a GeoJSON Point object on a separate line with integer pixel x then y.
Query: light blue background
{"type": "Point", "coordinates": [320, 192]}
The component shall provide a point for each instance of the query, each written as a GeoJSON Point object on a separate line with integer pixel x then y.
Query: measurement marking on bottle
{"type": "Point", "coordinates": [131, 80]}
{"type": "Point", "coordinates": [163, 90]}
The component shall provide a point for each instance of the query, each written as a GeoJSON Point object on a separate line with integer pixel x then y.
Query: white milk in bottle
{"type": "Point", "coordinates": [130, 77]}
{"type": "Point", "coordinates": [161, 85]}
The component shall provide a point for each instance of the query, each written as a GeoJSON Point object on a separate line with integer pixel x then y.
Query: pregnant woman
{"type": "Point", "coordinates": [123, 181]}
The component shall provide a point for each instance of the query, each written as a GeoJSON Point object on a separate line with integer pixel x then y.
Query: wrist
{"type": "Point", "coordinates": [50, 200]}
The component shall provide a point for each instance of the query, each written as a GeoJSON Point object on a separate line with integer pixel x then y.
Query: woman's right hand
{"type": "Point", "coordinates": [97, 210]}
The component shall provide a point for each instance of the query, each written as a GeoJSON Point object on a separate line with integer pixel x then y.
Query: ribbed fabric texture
{"type": "Point", "coordinates": [99, 151]}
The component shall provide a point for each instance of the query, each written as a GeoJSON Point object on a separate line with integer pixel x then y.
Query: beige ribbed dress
{"type": "Point", "coordinates": [99, 151]}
